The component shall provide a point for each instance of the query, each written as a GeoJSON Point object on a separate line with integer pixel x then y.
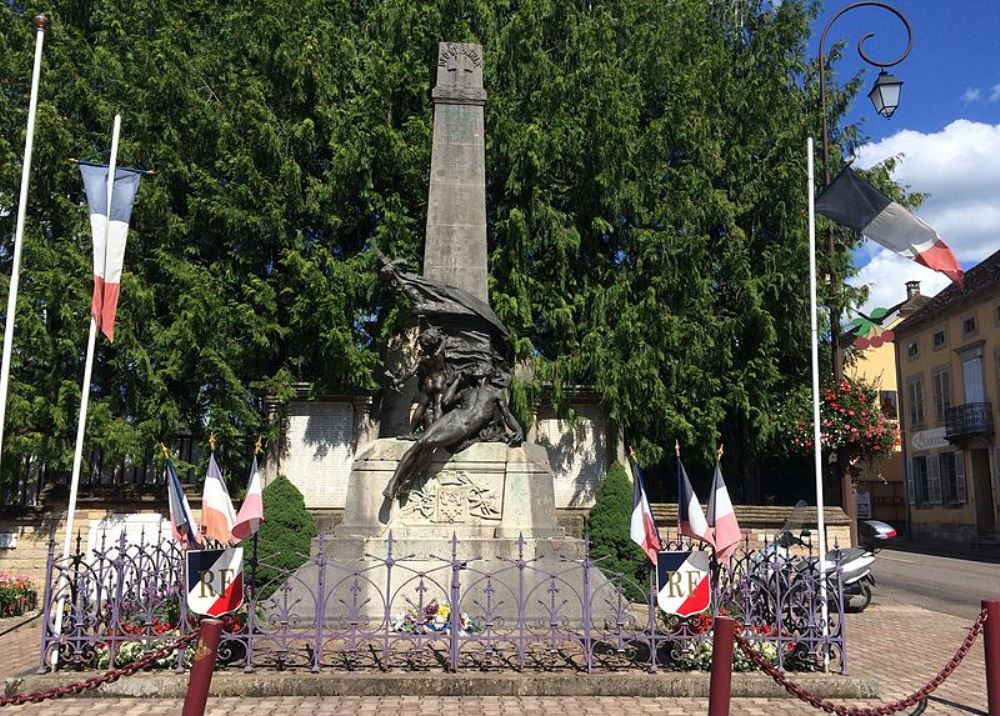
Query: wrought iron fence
{"type": "Point", "coordinates": [450, 612]}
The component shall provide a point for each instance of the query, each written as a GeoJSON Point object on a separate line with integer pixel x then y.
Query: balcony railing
{"type": "Point", "coordinates": [969, 420]}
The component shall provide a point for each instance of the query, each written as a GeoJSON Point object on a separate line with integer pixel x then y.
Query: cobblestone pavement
{"type": "Point", "coordinates": [903, 646]}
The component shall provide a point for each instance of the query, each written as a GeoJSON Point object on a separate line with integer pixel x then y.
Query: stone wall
{"type": "Point", "coordinates": [322, 436]}
{"type": "Point", "coordinates": [27, 534]}
{"type": "Point", "coordinates": [761, 522]}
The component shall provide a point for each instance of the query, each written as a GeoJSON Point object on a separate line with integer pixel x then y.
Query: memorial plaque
{"type": "Point", "coordinates": [578, 455]}
{"type": "Point", "coordinates": [318, 461]}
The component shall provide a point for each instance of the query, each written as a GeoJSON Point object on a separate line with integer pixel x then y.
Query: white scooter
{"type": "Point", "coordinates": [856, 577]}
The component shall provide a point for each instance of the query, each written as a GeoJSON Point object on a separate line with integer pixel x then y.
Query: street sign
{"type": "Point", "coordinates": [864, 505]}
{"type": "Point", "coordinates": [683, 582]}
{"type": "Point", "coordinates": [215, 580]}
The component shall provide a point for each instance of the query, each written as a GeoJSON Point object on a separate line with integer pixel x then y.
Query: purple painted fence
{"type": "Point", "coordinates": [394, 611]}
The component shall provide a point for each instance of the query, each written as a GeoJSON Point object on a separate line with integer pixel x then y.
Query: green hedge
{"type": "Point", "coordinates": [608, 526]}
{"type": "Point", "coordinates": [284, 540]}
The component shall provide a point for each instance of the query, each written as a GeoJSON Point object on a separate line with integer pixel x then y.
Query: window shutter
{"type": "Point", "coordinates": [960, 477]}
{"type": "Point", "coordinates": [933, 481]}
{"type": "Point", "coordinates": [911, 491]}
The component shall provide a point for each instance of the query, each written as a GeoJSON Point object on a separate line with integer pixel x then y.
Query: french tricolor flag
{"type": "Point", "coordinates": [722, 518]}
{"type": "Point", "coordinates": [109, 236]}
{"type": "Point", "coordinates": [691, 520]}
{"type": "Point", "coordinates": [643, 529]}
{"type": "Point", "coordinates": [251, 514]}
{"type": "Point", "coordinates": [853, 202]}
{"type": "Point", "coordinates": [217, 512]}
{"type": "Point", "coordinates": [181, 520]}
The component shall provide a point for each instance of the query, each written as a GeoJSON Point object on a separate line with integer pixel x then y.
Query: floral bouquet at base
{"type": "Point", "coordinates": [433, 618]}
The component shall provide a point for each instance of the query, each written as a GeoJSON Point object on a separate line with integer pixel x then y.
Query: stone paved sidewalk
{"type": "Point", "coordinates": [903, 646]}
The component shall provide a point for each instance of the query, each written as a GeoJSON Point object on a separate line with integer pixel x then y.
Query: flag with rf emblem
{"type": "Point", "coordinates": [683, 582]}
{"type": "Point", "coordinates": [215, 580]}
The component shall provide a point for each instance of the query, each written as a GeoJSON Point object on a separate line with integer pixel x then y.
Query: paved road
{"type": "Point", "coordinates": [947, 584]}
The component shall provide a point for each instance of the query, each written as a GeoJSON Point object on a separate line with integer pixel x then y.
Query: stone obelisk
{"type": "Point", "coordinates": [455, 246]}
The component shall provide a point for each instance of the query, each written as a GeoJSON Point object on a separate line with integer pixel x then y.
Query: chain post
{"type": "Point", "coordinates": [721, 683]}
{"type": "Point", "coordinates": [201, 670]}
{"type": "Point", "coordinates": [991, 644]}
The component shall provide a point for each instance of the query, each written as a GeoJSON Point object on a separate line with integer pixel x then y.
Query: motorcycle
{"type": "Point", "coordinates": [856, 578]}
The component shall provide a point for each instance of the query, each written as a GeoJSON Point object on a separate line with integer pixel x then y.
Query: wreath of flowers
{"type": "Point", "coordinates": [434, 617]}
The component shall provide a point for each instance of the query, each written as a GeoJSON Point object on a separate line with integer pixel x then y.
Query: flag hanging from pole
{"type": "Point", "coordinates": [217, 513]}
{"type": "Point", "coordinates": [643, 529]}
{"type": "Point", "coordinates": [722, 518]}
{"type": "Point", "coordinates": [109, 235]}
{"type": "Point", "coordinates": [181, 519]}
{"type": "Point", "coordinates": [691, 520]}
{"type": "Point", "coordinates": [853, 202]}
{"type": "Point", "coordinates": [252, 510]}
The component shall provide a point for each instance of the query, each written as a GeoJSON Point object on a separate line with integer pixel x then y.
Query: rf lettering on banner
{"type": "Point", "coordinates": [683, 582]}
{"type": "Point", "coordinates": [215, 581]}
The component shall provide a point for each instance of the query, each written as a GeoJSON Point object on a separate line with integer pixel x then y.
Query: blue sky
{"type": "Point", "coordinates": [947, 126]}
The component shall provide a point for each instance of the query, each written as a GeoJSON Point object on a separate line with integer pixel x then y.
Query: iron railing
{"type": "Point", "coordinates": [448, 612]}
{"type": "Point", "coordinates": [969, 420]}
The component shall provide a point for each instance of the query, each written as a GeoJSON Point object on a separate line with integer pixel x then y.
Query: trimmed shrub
{"type": "Point", "coordinates": [284, 540]}
{"type": "Point", "coordinates": [608, 526]}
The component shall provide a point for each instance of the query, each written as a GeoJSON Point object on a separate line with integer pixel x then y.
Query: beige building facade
{"type": "Point", "coordinates": [948, 363]}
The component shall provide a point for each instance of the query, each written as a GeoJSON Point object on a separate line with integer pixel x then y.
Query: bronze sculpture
{"type": "Point", "coordinates": [466, 348]}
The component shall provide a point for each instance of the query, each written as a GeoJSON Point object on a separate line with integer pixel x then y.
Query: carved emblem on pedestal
{"type": "Point", "coordinates": [454, 497]}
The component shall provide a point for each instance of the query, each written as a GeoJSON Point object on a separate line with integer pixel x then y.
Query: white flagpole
{"type": "Point", "coordinates": [817, 436]}
{"type": "Point", "coordinates": [81, 427]}
{"type": "Point", "coordinates": [41, 22]}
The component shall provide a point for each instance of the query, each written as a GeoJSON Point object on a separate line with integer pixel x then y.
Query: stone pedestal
{"type": "Point", "coordinates": [481, 526]}
{"type": "Point", "coordinates": [489, 491]}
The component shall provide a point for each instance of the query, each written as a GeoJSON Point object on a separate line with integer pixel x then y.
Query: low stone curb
{"type": "Point", "coordinates": [260, 685]}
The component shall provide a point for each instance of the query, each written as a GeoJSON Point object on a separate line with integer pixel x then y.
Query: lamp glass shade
{"type": "Point", "coordinates": [885, 94]}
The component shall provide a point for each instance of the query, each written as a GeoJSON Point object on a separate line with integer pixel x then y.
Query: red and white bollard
{"type": "Point", "coordinates": [202, 668]}
{"type": "Point", "coordinates": [723, 637]}
{"type": "Point", "coordinates": [991, 645]}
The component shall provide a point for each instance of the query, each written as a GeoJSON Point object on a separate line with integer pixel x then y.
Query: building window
{"type": "Point", "coordinates": [938, 339]}
{"type": "Point", "coordinates": [916, 395]}
{"type": "Point", "coordinates": [952, 470]}
{"type": "Point", "coordinates": [889, 401]}
{"type": "Point", "coordinates": [927, 477]}
{"type": "Point", "coordinates": [911, 349]}
{"type": "Point", "coordinates": [942, 393]}
{"type": "Point", "coordinates": [968, 326]}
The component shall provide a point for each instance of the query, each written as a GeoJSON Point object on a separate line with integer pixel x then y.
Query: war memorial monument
{"type": "Point", "coordinates": [459, 476]}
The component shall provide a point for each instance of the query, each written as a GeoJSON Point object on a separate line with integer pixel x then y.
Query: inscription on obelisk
{"type": "Point", "coordinates": [455, 246]}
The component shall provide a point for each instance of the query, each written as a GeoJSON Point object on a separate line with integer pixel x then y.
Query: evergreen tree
{"type": "Point", "coordinates": [645, 194]}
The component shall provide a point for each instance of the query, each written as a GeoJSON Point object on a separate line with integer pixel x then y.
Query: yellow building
{"type": "Point", "coordinates": [948, 358]}
{"type": "Point", "coordinates": [880, 488]}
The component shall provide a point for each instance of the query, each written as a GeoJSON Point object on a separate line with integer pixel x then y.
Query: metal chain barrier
{"type": "Point", "coordinates": [885, 710]}
{"type": "Point", "coordinates": [108, 677]}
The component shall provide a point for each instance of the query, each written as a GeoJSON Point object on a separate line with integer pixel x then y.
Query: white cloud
{"type": "Point", "coordinates": [971, 94]}
{"type": "Point", "coordinates": [959, 168]}
{"type": "Point", "coordinates": [995, 92]}
{"type": "Point", "coordinates": [886, 276]}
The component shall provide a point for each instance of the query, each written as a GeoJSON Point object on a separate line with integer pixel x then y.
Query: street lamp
{"type": "Point", "coordinates": [885, 96]}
